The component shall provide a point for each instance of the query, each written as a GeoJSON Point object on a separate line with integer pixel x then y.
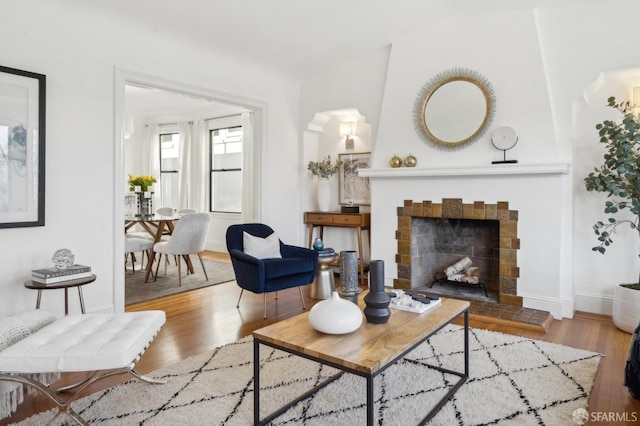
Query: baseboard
{"type": "Point", "coordinates": [594, 303]}
{"type": "Point", "coordinates": [557, 308]}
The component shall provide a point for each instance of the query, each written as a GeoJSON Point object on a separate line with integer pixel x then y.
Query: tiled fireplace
{"type": "Point", "coordinates": [431, 236]}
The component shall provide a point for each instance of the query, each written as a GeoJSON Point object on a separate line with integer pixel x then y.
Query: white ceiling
{"type": "Point", "coordinates": [295, 37]}
{"type": "Point", "coordinates": [299, 37]}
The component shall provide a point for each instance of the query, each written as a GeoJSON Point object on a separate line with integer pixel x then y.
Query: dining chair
{"type": "Point", "coordinates": [189, 237]}
{"type": "Point", "coordinates": [133, 245]}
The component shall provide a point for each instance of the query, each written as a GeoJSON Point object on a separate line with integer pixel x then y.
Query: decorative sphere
{"type": "Point", "coordinates": [410, 161]}
{"type": "Point", "coordinates": [63, 258]}
{"type": "Point", "coordinates": [318, 244]}
{"type": "Point", "coordinates": [395, 161]}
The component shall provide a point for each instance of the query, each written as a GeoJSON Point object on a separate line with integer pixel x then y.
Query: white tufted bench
{"type": "Point", "coordinates": [106, 344]}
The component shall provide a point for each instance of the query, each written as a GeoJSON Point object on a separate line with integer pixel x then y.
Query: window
{"type": "Point", "coordinates": [226, 170]}
{"type": "Point", "coordinates": [169, 167]}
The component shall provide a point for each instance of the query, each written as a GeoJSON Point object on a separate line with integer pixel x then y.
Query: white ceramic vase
{"type": "Point", "coordinates": [335, 315]}
{"type": "Point", "coordinates": [324, 194]}
{"type": "Point", "coordinates": [626, 308]}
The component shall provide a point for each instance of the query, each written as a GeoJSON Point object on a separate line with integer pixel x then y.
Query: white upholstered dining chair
{"type": "Point", "coordinates": [189, 237]}
{"type": "Point", "coordinates": [133, 245]}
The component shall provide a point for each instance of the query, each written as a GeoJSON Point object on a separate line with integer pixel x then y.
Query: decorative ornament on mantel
{"type": "Point", "coordinates": [503, 139]}
{"type": "Point", "coordinates": [410, 161]}
{"type": "Point", "coordinates": [395, 161]}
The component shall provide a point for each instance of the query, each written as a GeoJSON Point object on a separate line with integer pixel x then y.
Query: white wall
{"type": "Point", "coordinates": [79, 54]}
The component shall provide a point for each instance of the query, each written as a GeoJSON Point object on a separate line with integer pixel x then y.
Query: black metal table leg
{"type": "Point", "coordinates": [370, 418]}
{"type": "Point", "coordinates": [256, 382]}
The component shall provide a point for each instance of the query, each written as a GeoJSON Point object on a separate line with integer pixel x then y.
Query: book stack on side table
{"type": "Point", "coordinates": [56, 276]}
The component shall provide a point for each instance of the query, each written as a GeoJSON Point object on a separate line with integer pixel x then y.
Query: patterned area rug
{"type": "Point", "coordinates": [514, 381]}
{"type": "Point", "coordinates": [136, 290]}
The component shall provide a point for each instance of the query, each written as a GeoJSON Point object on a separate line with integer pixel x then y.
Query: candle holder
{"type": "Point", "coordinates": [144, 203]}
{"type": "Point", "coordinates": [349, 289]}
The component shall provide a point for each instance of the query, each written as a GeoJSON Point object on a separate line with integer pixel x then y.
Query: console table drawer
{"type": "Point", "coordinates": [318, 218]}
{"type": "Point", "coordinates": [344, 219]}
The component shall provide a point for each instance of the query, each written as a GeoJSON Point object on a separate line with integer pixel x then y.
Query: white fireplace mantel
{"type": "Point", "coordinates": [493, 170]}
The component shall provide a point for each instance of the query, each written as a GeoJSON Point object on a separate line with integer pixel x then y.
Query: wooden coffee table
{"type": "Point", "coordinates": [366, 352]}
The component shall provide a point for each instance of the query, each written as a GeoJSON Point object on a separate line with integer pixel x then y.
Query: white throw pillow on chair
{"type": "Point", "coordinates": [261, 248]}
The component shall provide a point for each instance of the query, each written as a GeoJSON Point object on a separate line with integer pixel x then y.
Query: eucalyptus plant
{"type": "Point", "coordinates": [619, 175]}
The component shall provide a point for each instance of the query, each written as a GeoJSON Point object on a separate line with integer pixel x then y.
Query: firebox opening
{"type": "Point", "coordinates": [441, 242]}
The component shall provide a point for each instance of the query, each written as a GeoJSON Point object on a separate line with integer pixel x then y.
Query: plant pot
{"type": "Point", "coordinates": [626, 308]}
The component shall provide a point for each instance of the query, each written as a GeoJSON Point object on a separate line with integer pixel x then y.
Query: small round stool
{"type": "Point", "coordinates": [323, 284]}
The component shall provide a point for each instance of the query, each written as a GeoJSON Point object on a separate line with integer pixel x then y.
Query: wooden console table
{"type": "Point", "coordinates": [358, 221]}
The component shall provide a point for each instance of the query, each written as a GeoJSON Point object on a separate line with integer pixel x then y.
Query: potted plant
{"type": "Point", "coordinates": [619, 178]}
{"type": "Point", "coordinates": [324, 169]}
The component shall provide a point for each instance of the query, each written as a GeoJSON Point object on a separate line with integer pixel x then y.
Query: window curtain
{"type": "Point", "coordinates": [198, 173]}
{"type": "Point", "coordinates": [248, 169]}
{"type": "Point", "coordinates": [151, 151]}
{"type": "Point", "coordinates": [192, 172]}
{"type": "Point", "coordinates": [185, 163]}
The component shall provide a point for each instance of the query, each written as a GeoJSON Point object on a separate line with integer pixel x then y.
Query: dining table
{"type": "Point", "coordinates": [156, 225]}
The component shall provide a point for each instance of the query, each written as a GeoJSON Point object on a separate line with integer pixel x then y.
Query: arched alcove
{"type": "Point", "coordinates": [322, 138]}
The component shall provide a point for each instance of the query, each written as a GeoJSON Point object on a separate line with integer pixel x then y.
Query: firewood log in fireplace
{"type": "Point", "coordinates": [462, 273]}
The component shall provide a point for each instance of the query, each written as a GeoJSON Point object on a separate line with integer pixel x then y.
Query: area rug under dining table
{"type": "Point", "coordinates": [136, 290]}
{"type": "Point", "coordinates": [513, 381]}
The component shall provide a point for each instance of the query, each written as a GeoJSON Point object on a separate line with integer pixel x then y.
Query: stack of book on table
{"type": "Point", "coordinates": [56, 276]}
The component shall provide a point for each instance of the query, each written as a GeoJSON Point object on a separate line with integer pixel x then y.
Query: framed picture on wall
{"type": "Point", "coordinates": [353, 188]}
{"type": "Point", "coordinates": [22, 139]}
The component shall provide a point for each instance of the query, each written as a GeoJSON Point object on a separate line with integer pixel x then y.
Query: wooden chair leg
{"type": "Point", "coordinates": [265, 306]}
{"type": "Point", "coordinates": [157, 267]}
{"type": "Point", "coordinates": [241, 291]}
{"type": "Point", "coordinates": [302, 298]}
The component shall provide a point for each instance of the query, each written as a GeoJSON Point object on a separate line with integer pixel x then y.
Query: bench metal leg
{"type": "Point", "coordinates": [64, 407]}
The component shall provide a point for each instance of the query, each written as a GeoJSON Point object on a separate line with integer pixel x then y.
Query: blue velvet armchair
{"type": "Point", "coordinates": [296, 268]}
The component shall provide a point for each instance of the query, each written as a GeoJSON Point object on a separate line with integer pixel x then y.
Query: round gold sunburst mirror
{"type": "Point", "coordinates": [455, 108]}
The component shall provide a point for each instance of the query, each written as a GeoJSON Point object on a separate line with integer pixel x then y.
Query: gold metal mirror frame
{"type": "Point", "coordinates": [448, 76]}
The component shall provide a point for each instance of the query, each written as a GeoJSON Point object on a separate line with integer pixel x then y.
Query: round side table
{"type": "Point", "coordinates": [323, 283]}
{"type": "Point", "coordinates": [79, 282]}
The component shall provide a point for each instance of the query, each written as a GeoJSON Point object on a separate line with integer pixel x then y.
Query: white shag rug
{"type": "Point", "coordinates": [513, 381]}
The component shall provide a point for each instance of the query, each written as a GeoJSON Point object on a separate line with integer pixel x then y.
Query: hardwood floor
{"type": "Point", "coordinates": [200, 320]}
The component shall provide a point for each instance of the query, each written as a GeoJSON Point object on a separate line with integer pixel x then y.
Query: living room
{"type": "Point", "coordinates": [552, 65]}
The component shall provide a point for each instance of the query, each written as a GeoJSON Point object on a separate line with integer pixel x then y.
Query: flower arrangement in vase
{"type": "Point", "coordinates": [143, 181]}
{"type": "Point", "coordinates": [324, 169]}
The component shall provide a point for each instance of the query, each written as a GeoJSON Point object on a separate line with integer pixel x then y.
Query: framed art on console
{"type": "Point", "coordinates": [353, 188]}
{"type": "Point", "coordinates": [22, 148]}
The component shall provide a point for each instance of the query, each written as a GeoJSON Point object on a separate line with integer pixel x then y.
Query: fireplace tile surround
{"type": "Point", "coordinates": [454, 208]}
